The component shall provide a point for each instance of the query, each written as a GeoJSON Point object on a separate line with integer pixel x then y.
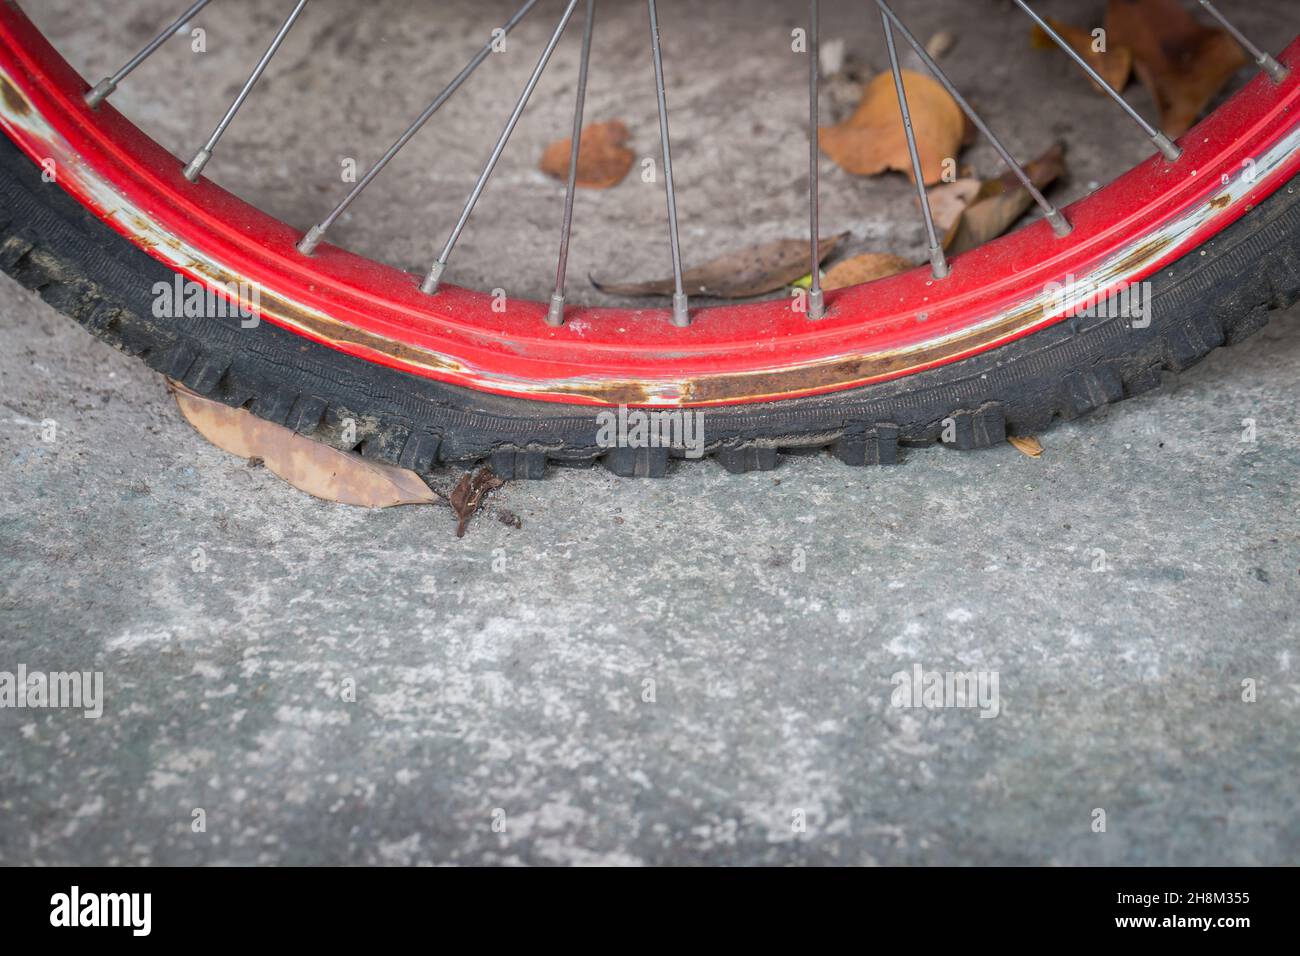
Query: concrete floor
{"type": "Point", "coordinates": [1122, 587]}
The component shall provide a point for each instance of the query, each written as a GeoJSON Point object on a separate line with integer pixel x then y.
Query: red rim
{"type": "Point", "coordinates": [731, 354]}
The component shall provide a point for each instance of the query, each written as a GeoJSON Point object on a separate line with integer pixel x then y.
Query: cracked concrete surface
{"type": "Point", "coordinates": [1122, 587]}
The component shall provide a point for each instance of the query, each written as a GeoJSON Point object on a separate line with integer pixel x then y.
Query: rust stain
{"type": "Point", "coordinates": [854, 370]}
{"type": "Point", "coordinates": [1149, 251]}
{"type": "Point", "coordinates": [329, 330]}
{"type": "Point", "coordinates": [850, 370]}
{"type": "Point", "coordinates": [143, 232]}
{"type": "Point", "coordinates": [1221, 202]}
{"type": "Point", "coordinates": [340, 333]}
{"type": "Point", "coordinates": [15, 102]}
{"type": "Point", "coordinates": [612, 393]}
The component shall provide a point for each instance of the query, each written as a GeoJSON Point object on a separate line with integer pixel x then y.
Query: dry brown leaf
{"type": "Point", "coordinates": [1001, 202]}
{"type": "Point", "coordinates": [1181, 61]}
{"type": "Point", "coordinates": [603, 157]}
{"type": "Point", "coordinates": [1115, 65]}
{"type": "Point", "coordinates": [1027, 445]}
{"type": "Point", "coordinates": [949, 200]}
{"type": "Point", "coordinates": [736, 275]}
{"type": "Point", "coordinates": [468, 495]}
{"type": "Point", "coordinates": [867, 267]}
{"type": "Point", "coordinates": [941, 44]}
{"type": "Point", "coordinates": [873, 140]}
{"type": "Point", "coordinates": [308, 465]}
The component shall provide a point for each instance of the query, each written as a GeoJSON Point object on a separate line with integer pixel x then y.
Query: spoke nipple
{"type": "Point", "coordinates": [681, 310]}
{"type": "Point", "coordinates": [430, 284]}
{"type": "Point", "coordinates": [195, 168]}
{"type": "Point", "coordinates": [307, 245]}
{"type": "Point", "coordinates": [1276, 70]}
{"type": "Point", "coordinates": [938, 264]}
{"type": "Point", "coordinates": [555, 315]}
{"type": "Point", "coordinates": [1167, 146]}
{"type": "Point", "coordinates": [816, 304]}
{"type": "Point", "coordinates": [1060, 225]}
{"type": "Point", "coordinates": [102, 91]}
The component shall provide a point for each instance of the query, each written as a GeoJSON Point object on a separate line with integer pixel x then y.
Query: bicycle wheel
{"type": "Point", "coordinates": [965, 351]}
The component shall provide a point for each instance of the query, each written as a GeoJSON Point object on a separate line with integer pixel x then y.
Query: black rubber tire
{"type": "Point", "coordinates": [1217, 294]}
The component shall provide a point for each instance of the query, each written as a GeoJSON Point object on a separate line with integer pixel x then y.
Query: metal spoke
{"type": "Point", "coordinates": [555, 316]}
{"type": "Point", "coordinates": [105, 87]}
{"type": "Point", "coordinates": [816, 300]}
{"type": "Point", "coordinates": [1060, 224]}
{"type": "Point", "coordinates": [1273, 68]}
{"type": "Point", "coordinates": [1163, 143]}
{"type": "Point", "coordinates": [681, 304]}
{"type": "Point", "coordinates": [314, 235]}
{"type": "Point", "coordinates": [432, 280]}
{"type": "Point", "coordinates": [938, 263]}
{"type": "Point", "coordinates": [195, 168]}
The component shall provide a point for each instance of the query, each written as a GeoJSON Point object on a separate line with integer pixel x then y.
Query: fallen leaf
{"type": "Point", "coordinates": [940, 44]}
{"type": "Point", "coordinates": [468, 495]}
{"type": "Point", "coordinates": [603, 156]}
{"type": "Point", "coordinates": [308, 465]}
{"type": "Point", "coordinates": [1027, 445]}
{"type": "Point", "coordinates": [1001, 202]}
{"type": "Point", "coordinates": [867, 267]}
{"type": "Point", "coordinates": [737, 275]}
{"type": "Point", "coordinates": [1180, 60]}
{"type": "Point", "coordinates": [949, 200]}
{"type": "Point", "coordinates": [873, 139]}
{"type": "Point", "coordinates": [1115, 65]}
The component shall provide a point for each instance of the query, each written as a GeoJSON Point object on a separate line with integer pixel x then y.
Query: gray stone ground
{"type": "Point", "coordinates": [1122, 587]}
